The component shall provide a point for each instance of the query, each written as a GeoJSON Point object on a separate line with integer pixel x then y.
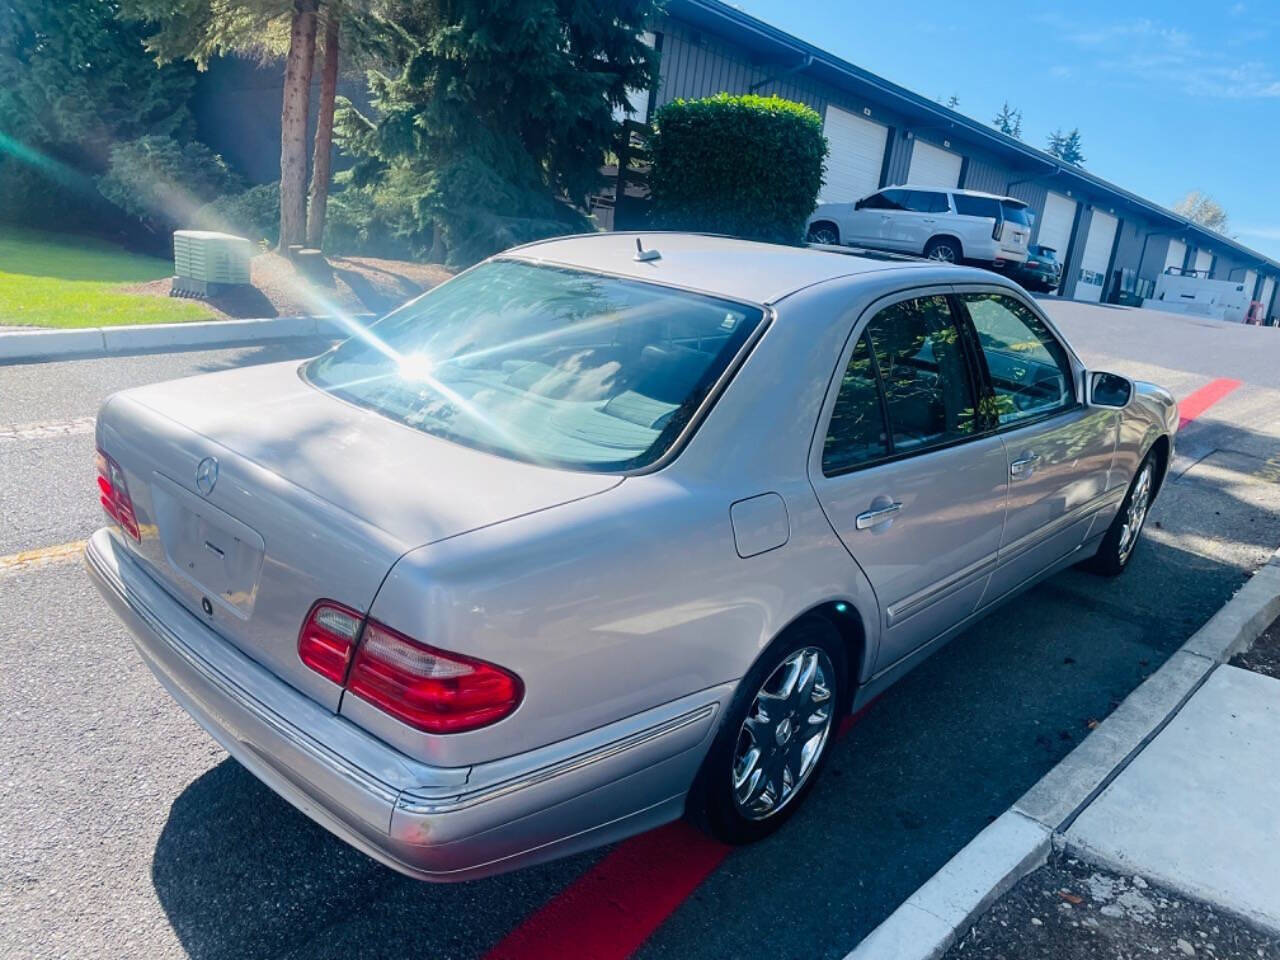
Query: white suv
{"type": "Point", "coordinates": [950, 225]}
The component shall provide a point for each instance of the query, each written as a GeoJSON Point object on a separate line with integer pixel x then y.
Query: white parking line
{"type": "Point", "coordinates": [46, 429]}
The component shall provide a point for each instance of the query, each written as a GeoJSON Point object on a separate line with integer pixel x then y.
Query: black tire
{"type": "Point", "coordinates": [712, 804]}
{"type": "Point", "coordinates": [1117, 549]}
{"type": "Point", "coordinates": [824, 232]}
{"type": "Point", "coordinates": [944, 249]}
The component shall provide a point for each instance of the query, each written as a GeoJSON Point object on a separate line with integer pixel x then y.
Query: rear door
{"type": "Point", "coordinates": [907, 476]}
{"type": "Point", "coordinates": [1059, 451]}
{"type": "Point", "coordinates": [911, 228]}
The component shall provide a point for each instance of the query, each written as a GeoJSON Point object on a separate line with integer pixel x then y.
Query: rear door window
{"type": "Point", "coordinates": [857, 431]}
{"type": "Point", "coordinates": [927, 201]}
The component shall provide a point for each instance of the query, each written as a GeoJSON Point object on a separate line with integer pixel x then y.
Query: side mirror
{"type": "Point", "coordinates": [1109, 390]}
{"type": "Point", "coordinates": [858, 205]}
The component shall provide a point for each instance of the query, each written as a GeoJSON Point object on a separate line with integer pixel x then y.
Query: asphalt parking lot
{"type": "Point", "coordinates": [124, 830]}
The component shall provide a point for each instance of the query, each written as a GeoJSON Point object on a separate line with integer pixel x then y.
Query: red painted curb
{"type": "Point", "coordinates": [1201, 400]}
{"type": "Point", "coordinates": [608, 912]}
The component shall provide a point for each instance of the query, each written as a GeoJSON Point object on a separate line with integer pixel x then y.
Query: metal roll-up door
{"type": "Point", "coordinates": [934, 167]}
{"type": "Point", "coordinates": [856, 157]}
{"type": "Point", "coordinates": [1268, 291]}
{"type": "Point", "coordinates": [1055, 225]}
{"type": "Point", "coordinates": [1176, 256]}
{"type": "Point", "coordinates": [1204, 261]}
{"type": "Point", "coordinates": [1250, 283]}
{"type": "Point", "coordinates": [1096, 256]}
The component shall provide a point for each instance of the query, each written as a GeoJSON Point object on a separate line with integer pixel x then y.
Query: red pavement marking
{"type": "Point", "coordinates": [1204, 398]}
{"type": "Point", "coordinates": [608, 912]}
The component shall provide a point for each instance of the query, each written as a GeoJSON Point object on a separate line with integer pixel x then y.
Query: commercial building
{"type": "Point", "coordinates": [1111, 241]}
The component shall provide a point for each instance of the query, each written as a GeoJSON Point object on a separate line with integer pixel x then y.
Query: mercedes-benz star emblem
{"type": "Point", "coordinates": [206, 475]}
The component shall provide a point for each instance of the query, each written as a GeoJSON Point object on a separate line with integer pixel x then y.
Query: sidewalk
{"type": "Point", "coordinates": [1180, 855]}
{"type": "Point", "coordinates": [1158, 835]}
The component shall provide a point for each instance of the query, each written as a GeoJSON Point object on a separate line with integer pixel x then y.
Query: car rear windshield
{"type": "Point", "coordinates": [1016, 212]}
{"type": "Point", "coordinates": [544, 364]}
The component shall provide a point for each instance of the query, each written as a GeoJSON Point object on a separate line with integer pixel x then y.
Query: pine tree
{"type": "Point", "coordinates": [501, 112]}
{"type": "Point", "coordinates": [1009, 121]}
{"type": "Point", "coordinates": [199, 30]}
{"type": "Point", "coordinates": [74, 80]}
{"type": "Point", "coordinates": [1067, 146]}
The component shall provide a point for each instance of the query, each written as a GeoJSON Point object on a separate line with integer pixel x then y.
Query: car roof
{"type": "Point", "coordinates": [724, 266]}
{"type": "Point", "coordinates": [936, 189]}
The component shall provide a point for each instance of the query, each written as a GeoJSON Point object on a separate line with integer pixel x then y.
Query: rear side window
{"type": "Point", "coordinates": [927, 201]}
{"type": "Point", "coordinates": [1015, 212]}
{"type": "Point", "coordinates": [909, 367]}
{"type": "Point", "coordinates": [1029, 369]}
{"type": "Point", "coordinates": [857, 432]}
{"type": "Point", "coordinates": [920, 359]}
{"type": "Point", "coordinates": [968, 206]}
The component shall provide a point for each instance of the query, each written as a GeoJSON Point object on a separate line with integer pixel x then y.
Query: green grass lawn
{"type": "Point", "coordinates": [57, 280]}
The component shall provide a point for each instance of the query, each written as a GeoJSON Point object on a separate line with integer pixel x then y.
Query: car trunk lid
{"type": "Point", "coordinates": [257, 494]}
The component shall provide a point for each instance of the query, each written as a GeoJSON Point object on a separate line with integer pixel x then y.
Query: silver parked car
{"type": "Point", "coordinates": [586, 539]}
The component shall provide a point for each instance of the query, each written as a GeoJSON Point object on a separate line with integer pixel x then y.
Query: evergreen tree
{"type": "Point", "coordinates": [74, 81]}
{"type": "Point", "coordinates": [1009, 121]}
{"type": "Point", "coordinates": [500, 111]}
{"type": "Point", "coordinates": [1067, 146]}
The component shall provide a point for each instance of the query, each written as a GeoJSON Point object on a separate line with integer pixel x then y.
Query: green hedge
{"type": "Point", "coordinates": [749, 166]}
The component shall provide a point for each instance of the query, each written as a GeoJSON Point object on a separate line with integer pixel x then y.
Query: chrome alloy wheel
{"type": "Point", "coordinates": [1136, 515]}
{"type": "Point", "coordinates": [824, 235]}
{"type": "Point", "coordinates": [784, 733]}
{"type": "Point", "coordinates": [943, 252]}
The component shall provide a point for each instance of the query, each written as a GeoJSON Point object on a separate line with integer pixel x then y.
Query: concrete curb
{"type": "Point", "coordinates": [941, 911]}
{"type": "Point", "coordinates": [25, 346]}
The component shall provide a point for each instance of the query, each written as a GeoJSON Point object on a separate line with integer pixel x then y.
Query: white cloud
{"type": "Point", "coordinates": [1154, 53]}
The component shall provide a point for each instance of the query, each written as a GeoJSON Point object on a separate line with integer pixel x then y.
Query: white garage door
{"type": "Point", "coordinates": [1096, 256]}
{"type": "Point", "coordinates": [934, 167]}
{"type": "Point", "coordinates": [1268, 290]}
{"type": "Point", "coordinates": [1055, 225]}
{"type": "Point", "coordinates": [1250, 282]}
{"type": "Point", "coordinates": [1176, 256]}
{"type": "Point", "coordinates": [1204, 260]}
{"type": "Point", "coordinates": [857, 154]}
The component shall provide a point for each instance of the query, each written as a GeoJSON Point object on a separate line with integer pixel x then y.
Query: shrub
{"type": "Point", "coordinates": [378, 220]}
{"type": "Point", "coordinates": [749, 166]}
{"type": "Point", "coordinates": [162, 182]}
{"type": "Point", "coordinates": [255, 214]}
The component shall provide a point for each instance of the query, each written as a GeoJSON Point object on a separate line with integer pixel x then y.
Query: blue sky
{"type": "Point", "coordinates": [1168, 97]}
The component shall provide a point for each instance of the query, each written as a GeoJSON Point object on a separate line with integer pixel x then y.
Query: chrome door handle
{"type": "Point", "coordinates": [1024, 466]}
{"type": "Point", "coordinates": [879, 515]}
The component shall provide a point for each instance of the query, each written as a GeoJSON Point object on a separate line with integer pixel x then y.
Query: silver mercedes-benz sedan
{"type": "Point", "coordinates": [605, 531]}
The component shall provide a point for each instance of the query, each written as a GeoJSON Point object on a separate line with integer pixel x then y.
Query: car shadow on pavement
{"type": "Point", "coordinates": [240, 873]}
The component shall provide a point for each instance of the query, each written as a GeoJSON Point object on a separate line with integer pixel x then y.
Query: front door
{"type": "Point", "coordinates": [1059, 450]}
{"type": "Point", "coordinates": [905, 474]}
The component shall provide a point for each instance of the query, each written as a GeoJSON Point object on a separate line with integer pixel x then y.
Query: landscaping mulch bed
{"type": "Point", "coordinates": [360, 285]}
{"type": "Point", "coordinates": [1068, 910]}
{"type": "Point", "coordinates": [1264, 656]}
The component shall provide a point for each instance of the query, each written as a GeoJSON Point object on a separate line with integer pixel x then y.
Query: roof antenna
{"type": "Point", "coordinates": [643, 255]}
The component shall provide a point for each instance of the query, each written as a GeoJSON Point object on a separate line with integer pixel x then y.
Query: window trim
{"type": "Point", "coordinates": [858, 330]}
{"type": "Point", "coordinates": [979, 356]}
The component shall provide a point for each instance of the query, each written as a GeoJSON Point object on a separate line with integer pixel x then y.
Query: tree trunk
{"type": "Point", "coordinates": [293, 124]}
{"type": "Point", "coordinates": [322, 157]}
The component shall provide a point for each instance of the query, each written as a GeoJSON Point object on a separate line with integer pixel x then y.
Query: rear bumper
{"type": "Point", "coordinates": [434, 823]}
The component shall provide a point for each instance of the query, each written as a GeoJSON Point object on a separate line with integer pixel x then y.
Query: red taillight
{"type": "Point", "coordinates": [328, 636]}
{"type": "Point", "coordinates": [113, 494]}
{"type": "Point", "coordinates": [427, 688]}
